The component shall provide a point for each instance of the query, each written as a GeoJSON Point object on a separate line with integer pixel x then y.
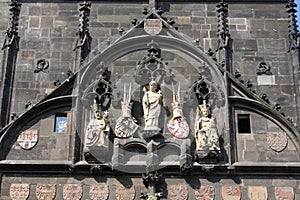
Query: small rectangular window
{"type": "Point", "coordinates": [243, 121]}
{"type": "Point", "coordinates": [60, 124]}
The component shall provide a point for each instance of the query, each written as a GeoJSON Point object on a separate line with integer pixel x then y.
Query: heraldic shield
{"type": "Point", "coordinates": [123, 193]}
{"type": "Point", "coordinates": [99, 192]}
{"type": "Point", "coordinates": [178, 192]}
{"type": "Point", "coordinates": [257, 193]}
{"type": "Point", "coordinates": [231, 192]}
{"type": "Point", "coordinates": [19, 191]}
{"type": "Point", "coordinates": [153, 26]}
{"type": "Point", "coordinates": [277, 140]}
{"type": "Point", "coordinates": [286, 193]}
{"type": "Point", "coordinates": [205, 193]}
{"type": "Point", "coordinates": [45, 191]}
{"type": "Point", "coordinates": [179, 127]}
{"type": "Point", "coordinates": [28, 139]}
{"type": "Point", "coordinates": [72, 192]}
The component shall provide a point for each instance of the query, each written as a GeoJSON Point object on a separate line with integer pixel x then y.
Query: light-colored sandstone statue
{"type": "Point", "coordinates": [97, 131]}
{"type": "Point", "coordinates": [207, 137]}
{"type": "Point", "coordinates": [152, 106]}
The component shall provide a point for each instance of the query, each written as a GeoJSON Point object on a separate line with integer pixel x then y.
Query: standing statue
{"type": "Point", "coordinates": [152, 106]}
{"type": "Point", "coordinates": [97, 131]}
{"type": "Point", "coordinates": [178, 125]}
{"type": "Point", "coordinates": [207, 137]}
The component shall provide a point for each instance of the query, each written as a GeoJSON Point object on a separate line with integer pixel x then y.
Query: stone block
{"type": "Point", "coordinates": [245, 45]}
{"type": "Point", "coordinates": [46, 22]}
{"type": "Point", "coordinates": [34, 22]}
{"type": "Point", "coordinates": [266, 80]}
{"type": "Point", "coordinates": [183, 20]}
{"type": "Point", "coordinates": [275, 45]}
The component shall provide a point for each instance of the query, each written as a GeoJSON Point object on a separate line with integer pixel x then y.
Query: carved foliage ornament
{"type": "Point", "coordinates": [19, 191]}
{"type": "Point", "coordinates": [72, 192]}
{"type": "Point", "coordinates": [178, 192]}
{"type": "Point", "coordinates": [205, 193]}
{"type": "Point", "coordinates": [99, 192]}
{"type": "Point", "coordinates": [231, 192]}
{"type": "Point", "coordinates": [45, 191]}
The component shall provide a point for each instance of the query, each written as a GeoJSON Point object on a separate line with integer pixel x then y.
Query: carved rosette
{"type": "Point", "coordinates": [277, 141]}
{"type": "Point", "coordinates": [231, 192]}
{"type": "Point", "coordinates": [99, 192]}
{"type": "Point", "coordinates": [205, 193]}
{"type": "Point", "coordinates": [286, 193]}
{"type": "Point", "coordinates": [257, 193]}
{"type": "Point", "coordinates": [72, 192]}
{"type": "Point", "coordinates": [45, 191]}
{"type": "Point", "coordinates": [178, 192]}
{"type": "Point", "coordinates": [123, 193]}
{"type": "Point", "coordinates": [19, 191]}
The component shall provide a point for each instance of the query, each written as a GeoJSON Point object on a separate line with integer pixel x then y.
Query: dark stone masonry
{"type": "Point", "coordinates": [149, 100]}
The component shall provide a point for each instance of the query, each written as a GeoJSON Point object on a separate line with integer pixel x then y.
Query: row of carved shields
{"type": "Point", "coordinates": [175, 192]}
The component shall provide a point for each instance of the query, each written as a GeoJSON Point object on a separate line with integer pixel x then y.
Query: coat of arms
{"type": "Point", "coordinates": [45, 191]}
{"type": "Point", "coordinates": [277, 140]}
{"type": "Point", "coordinates": [99, 192]}
{"type": "Point", "coordinates": [123, 193]}
{"type": "Point", "coordinates": [178, 192]}
{"type": "Point", "coordinates": [205, 193]}
{"type": "Point", "coordinates": [286, 193]}
{"type": "Point", "coordinates": [257, 193]}
{"type": "Point", "coordinates": [179, 127]}
{"type": "Point", "coordinates": [153, 26]}
{"type": "Point", "coordinates": [72, 192]}
{"type": "Point", "coordinates": [125, 127]}
{"type": "Point", "coordinates": [19, 191]}
{"type": "Point", "coordinates": [231, 192]}
{"type": "Point", "coordinates": [28, 139]}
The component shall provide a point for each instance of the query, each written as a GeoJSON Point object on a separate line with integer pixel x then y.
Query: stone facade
{"type": "Point", "coordinates": [65, 62]}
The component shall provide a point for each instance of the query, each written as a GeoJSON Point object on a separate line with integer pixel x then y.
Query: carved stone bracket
{"type": "Point", "coordinates": [41, 66]}
{"type": "Point", "coordinates": [263, 68]}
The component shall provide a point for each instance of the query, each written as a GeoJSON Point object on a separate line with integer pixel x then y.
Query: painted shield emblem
{"type": "Point", "coordinates": [231, 192]}
{"type": "Point", "coordinates": [153, 26]}
{"type": "Point", "coordinates": [125, 127]}
{"type": "Point", "coordinates": [178, 192]}
{"type": "Point", "coordinates": [98, 192]}
{"type": "Point", "coordinates": [257, 193]}
{"type": "Point", "coordinates": [179, 127]}
{"type": "Point", "coordinates": [28, 139]}
{"type": "Point", "coordinates": [45, 191]}
{"type": "Point", "coordinates": [286, 193]}
{"type": "Point", "coordinates": [19, 191]}
{"type": "Point", "coordinates": [205, 193]}
{"type": "Point", "coordinates": [277, 140]}
{"type": "Point", "coordinates": [72, 192]}
{"type": "Point", "coordinates": [123, 193]}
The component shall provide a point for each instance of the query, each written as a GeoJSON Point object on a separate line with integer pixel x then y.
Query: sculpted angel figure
{"type": "Point", "coordinates": [97, 131]}
{"type": "Point", "coordinates": [207, 137]}
{"type": "Point", "coordinates": [152, 105]}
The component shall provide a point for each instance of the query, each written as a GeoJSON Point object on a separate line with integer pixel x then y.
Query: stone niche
{"type": "Point", "coordinates": [125, 131]}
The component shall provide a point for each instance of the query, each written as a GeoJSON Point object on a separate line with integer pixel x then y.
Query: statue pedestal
{"type": "Point", "coordinates": [207, 156]}
{"type": "Point", "coordinates": [97, 154]}
{"type": "Point", "coordinates": [149, 132]}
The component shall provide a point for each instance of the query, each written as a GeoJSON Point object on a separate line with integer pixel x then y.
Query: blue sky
{"type": "Point", "coordinates": [298, 12]}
